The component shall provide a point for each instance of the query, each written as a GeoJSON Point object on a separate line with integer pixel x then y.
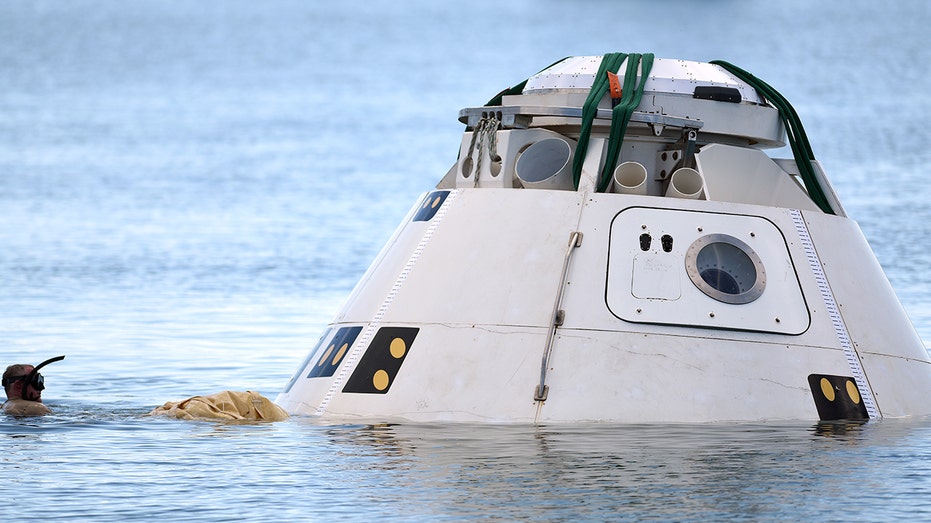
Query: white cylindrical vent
{"type": "Point", "coordinates": [686, 183]}
{"type": "Point", "coordinates": [546, 165]}
{"type": "Point", "coordinates": [630, 178]}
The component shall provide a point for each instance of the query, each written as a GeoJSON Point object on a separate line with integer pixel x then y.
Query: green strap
{"type": "Point", "coordinates": [798, 140]}
{"type": "Point", "coordinates": [609, 62]}
{"type": "Point", "coordinates": [517, 89]}
{"type": "Point", "coordinates": [631, 95]}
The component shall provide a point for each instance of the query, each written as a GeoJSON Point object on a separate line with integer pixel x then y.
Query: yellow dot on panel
{"type": "Point", "coordinates": [853, 392]}
{"type": "Point", "coordinates": [436, 202]}
{"type": "Point", "coordinates": [326, 355]}
{"type": "Point", "coordinates": [426, 202]}
{"type": "Point", "coordinates": [380, 380]}
{"type": "Point", "coordinates": [340, 354]}
{"type": "Point", "coordinates": [827, 389]}
{"type": "Point", "coordinates": [398, 348]}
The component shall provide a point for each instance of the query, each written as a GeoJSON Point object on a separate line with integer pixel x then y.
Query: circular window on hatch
{"type": "Point", "coordinates": [725, 269]}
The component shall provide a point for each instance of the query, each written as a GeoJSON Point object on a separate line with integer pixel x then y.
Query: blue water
{"type": "Point", "coordinates": [188, 190]}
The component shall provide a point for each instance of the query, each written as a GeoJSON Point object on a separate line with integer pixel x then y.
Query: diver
{"type": "Point", "coordinates": [23, 386]}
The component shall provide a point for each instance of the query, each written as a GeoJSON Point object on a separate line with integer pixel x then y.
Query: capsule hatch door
{"type": "Point", "coordinates": [703, 269]}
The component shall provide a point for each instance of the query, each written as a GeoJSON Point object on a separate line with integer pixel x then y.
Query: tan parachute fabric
{"type": "Point", "coordinates": [226, 405]}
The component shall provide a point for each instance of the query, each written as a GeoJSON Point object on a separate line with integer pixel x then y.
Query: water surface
{"type": "Point", "coordinates": [189, 191]}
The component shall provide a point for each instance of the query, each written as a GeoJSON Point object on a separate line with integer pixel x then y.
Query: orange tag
{"type": "Point", "coordinates": [614, 85]}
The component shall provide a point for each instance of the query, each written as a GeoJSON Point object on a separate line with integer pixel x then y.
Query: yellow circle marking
{"type": "Point", "coordinates": [380, 380]}
{"type": "Point", "coordinates": [827, 389]}
{"type": "Point", "coordinates": [435, 202]}
{"type": "Point", "coordinates": [326, 355]}
{"type": "Point", "coordinates": [340, 354]}
{"type": "Point", "coordinates": [398, 348]}
{"type": "Point", "coordinates": [853, 392]}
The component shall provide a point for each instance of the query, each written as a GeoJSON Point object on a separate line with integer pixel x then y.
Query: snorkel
{"type": "Point", "coordinates": [36, 381]}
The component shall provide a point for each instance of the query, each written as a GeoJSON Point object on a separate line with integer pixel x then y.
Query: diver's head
{"type": "Point", "coordinates": [15, 386]}
{"type": "Point", "coordinates": [24, 381]}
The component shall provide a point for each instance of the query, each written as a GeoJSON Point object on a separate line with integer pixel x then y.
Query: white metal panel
{"type": "Point", "coordinates": [900, 385]}
{"type": "Point", "coordinates": [458, 373]}
{"type": "Point", "coordinates": [875, 318]}
{"type": "Point", "coordinates": [892, 355]}
{"type": "Point", "coordinates": [666, 76]}
{"type": "Point", "coordinates": [576, 73]}
{"type": "Point", "coordinates": [780, 309]}
{"type": "Point", "coordinates": [367, 295]}
{"type": "Point", "coordinates": [683, 76]}
{"type": "Point", "coordinates": [690, 378]}
{"type": "Point", "coordinates": [759, 125]}
{"type": "Point", "coordinates": [738, 174]}
{"type": "Point", "coordinates": [495, 260]}
{"type": "Point", "coordinates": [656, 276]}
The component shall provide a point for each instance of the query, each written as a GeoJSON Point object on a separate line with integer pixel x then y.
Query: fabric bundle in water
{"type": "Point", "coordinates": [225, 405]}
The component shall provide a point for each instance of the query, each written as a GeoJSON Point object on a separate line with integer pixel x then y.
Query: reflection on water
{"type": "Point", "coordinates": [300, 469]}
{"type": "Point", "coordinates": [669, 472]}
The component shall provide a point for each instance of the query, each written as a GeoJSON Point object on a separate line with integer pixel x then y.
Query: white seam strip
{"type": "Point", "coordinates": [363, 342]}
{"type": "Point", "coordinates": [853, 360]}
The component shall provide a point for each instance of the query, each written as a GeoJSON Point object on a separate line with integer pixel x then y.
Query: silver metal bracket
{"type": "Point", "coordinates": [560, 317]}
{"type": "Point", "coordinates": [691, 137]}
{"type": "Point", "coordinates": [520, 116]}
{"type": "Point", "coordinates": [557, 318]}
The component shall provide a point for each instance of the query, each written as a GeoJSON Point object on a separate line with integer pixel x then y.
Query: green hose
{"type": "Point", "coordinates": [631, 94]}
{"type": "Point", "coordinates": [798, 140]}
{"type": "Point", "coordinates": [610, 62]}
